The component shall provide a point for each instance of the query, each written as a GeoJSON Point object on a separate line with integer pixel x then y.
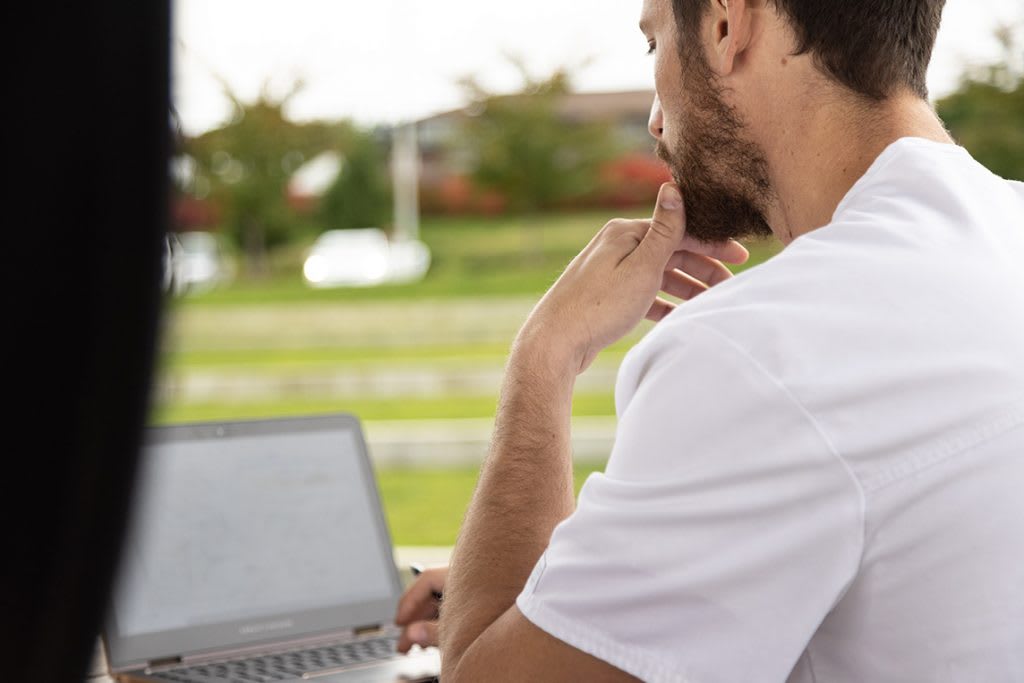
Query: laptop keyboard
{"type": "Point", "coordinates": [285, 665]}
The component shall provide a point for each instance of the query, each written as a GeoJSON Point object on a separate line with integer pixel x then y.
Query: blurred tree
{"type": "Point", "coordinates": [986, 112]}
{"type": "Point", "coordinates": [520, 145]}
{"type": "Point", "coordinates": [360, 196]}
{"type": "Point", "coordinates": [245, 165]}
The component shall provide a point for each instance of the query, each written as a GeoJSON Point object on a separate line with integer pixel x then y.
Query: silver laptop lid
{"type": "Point", "coordinates": [249, 532]}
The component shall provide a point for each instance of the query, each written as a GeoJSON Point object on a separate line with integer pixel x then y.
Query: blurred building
{"type": "Point", "coordinates": [443, 174]}
{"type": "Point", "coordinates": [632, 178]}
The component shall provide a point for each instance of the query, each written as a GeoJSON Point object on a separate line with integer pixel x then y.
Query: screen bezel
{"type": "Point", "coordinates": [126, 652]}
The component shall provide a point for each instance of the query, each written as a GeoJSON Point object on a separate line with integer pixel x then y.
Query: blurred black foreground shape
{"type": "Point", "coordinates": [85, 143]}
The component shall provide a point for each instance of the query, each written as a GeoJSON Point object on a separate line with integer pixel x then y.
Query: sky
{"type": "Point", "coordinates": [390, 61]}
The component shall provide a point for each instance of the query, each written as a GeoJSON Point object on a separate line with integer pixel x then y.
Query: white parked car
{"type": "Point", "coordinates": [363, 258]}
{"type": "Point", "coordinates": [195, 262]}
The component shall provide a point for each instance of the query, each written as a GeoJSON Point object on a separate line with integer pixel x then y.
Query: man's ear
{"type": "Point", "coordinates": [731, 32]}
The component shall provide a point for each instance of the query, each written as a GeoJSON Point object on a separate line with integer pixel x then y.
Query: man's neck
{"type": "Point", "coordinates": [815, 162]}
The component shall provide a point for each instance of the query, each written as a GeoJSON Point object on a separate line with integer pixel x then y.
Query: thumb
{"type": "Point", "coordinates": [667, 226]}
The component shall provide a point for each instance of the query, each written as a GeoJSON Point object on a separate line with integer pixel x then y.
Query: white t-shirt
{"type": "Point", "coordinates": [818, 473]}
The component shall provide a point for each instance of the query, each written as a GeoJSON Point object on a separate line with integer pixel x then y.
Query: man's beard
{"type": "Point", "coordinates": [723, 177]}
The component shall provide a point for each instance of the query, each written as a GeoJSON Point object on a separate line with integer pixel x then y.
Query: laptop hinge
{"type": "Point", "coordinates": [366, 630]}
{"type": "Point", "coordinates": [155, 664]}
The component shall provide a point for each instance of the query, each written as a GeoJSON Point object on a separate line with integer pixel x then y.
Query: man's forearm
{"type": "Point", "coordinates": [525, 489]}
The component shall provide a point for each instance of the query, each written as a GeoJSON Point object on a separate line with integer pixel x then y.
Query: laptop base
{"type": "Point", "coordinates": [416, 667]}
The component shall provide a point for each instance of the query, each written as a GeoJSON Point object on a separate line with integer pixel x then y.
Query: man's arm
{"type": "Point", "coordinates": [525, 487]}
{"type": "Point", "coordinates": [525, 490]}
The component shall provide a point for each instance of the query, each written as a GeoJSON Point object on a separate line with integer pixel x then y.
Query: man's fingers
{"type": "Point", "coordinates": [422, 633]}
{"type": "Point", "coordinates": [659, 309]}
{"type": "Point", "coordinates": [667, 226]}
{"type": "Point", "coordinates": [681, 285]}
{"type": "Point", "coordinates": [730, 252]}
{"type": "Point", "coordinates": [706, 269]}
{"type": "Point", "coordinates": [418, 601]}
{"type": "Point", "coordinates": [667, 231]}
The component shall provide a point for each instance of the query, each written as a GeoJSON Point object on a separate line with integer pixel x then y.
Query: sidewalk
{"type": "Point", "coordinates": [428, 556]}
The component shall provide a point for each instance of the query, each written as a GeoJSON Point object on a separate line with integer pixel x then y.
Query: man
{"type": "Point", "coordinates": [818, 467]}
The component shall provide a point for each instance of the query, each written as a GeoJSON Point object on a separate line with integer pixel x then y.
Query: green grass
{"type": "Point", "coordinates": [283, 360]}
{"type": "Point", "coordinates": [442, 407]}
{"type": "Point", "coordinates": [426, 506]}
{"type": "Point", "coordinates": [471, 256]}
{"type": "Point", "coordinates": [334, 356]}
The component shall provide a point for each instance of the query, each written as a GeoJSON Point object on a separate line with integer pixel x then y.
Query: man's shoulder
{"type": "Point", "coordinates": [772, 296]}
{"type": "Point", "coordinates": [809, 305]}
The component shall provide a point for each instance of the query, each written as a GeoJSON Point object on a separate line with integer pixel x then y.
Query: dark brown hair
{"type": "Point", "coordinates": [873, 47]}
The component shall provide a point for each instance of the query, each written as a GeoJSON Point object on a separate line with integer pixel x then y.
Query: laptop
{"type": "Point", "coordinates": [258, 551]}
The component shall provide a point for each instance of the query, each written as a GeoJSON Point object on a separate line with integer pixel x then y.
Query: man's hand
{"type": "Point", "coordinates": [614, 282]}
{"type": "Point", "coordinates": [418, 609]}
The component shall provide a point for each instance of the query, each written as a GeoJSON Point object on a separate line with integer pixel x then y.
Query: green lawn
{"type": "Point", "coordinates": [331, 356]}
{"type": "Point", "coordinates": [289, 359]}
{"type": "Point", "coordinates": [471, 256]}
{"type": "Point", "coordinates": [440, 408]}
{"type": "Point", "coordinates": [426, 506]}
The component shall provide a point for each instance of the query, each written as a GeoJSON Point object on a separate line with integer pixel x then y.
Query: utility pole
{"type": "Point", "coordinates": [405, 167]}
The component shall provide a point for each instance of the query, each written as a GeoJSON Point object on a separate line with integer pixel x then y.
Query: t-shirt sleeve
{"type": "Point", "coordinates": [722, 532]}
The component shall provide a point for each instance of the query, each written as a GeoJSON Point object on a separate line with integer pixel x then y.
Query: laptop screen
{"type": "Point", "coordinates": [250, 531]}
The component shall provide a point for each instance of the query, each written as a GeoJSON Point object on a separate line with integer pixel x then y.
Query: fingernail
{"type": "Point", "coordinates": [670, 198]}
